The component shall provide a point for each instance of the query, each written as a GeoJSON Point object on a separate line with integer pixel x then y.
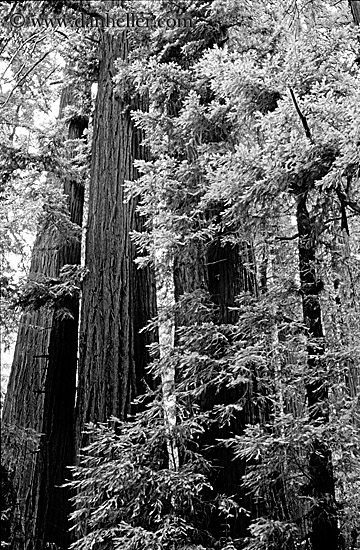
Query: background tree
{"type": "Point", "coordinates": [226, 155]}
{"type": "Point", "coordinates": [41, 388]}
{"type": "Point", "coordinates": [275, 189]}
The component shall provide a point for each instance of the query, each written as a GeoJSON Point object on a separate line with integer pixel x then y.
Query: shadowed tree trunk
{"type": "Point", "coordinates": [230, 272]}
{"type": "Point", "coordinates": [59, 389]}
{"type": "Point", "coordinates": [321, 487]}
{"type": "Point", "coordinates": [41, 389]}
{"type": "Point", "coordinates": [118, 299]}
{"type": "Point", "coordinates": [355, 10]}
{"type": "Point", "coordinates": [225, 270]}
{"type": "Point", "coordinates": [323, 531]}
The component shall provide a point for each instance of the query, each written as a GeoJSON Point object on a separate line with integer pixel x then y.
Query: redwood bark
{"type": "Point", "coordinates": [41, 391]}
{"type": "Point", "coordinates": [225, 270]}
{"type": "Point", "coordinates": [117, 299]}
{"type": "Point", "coordinates": [355, 10]}
{"type": "Point", "coordinates": [321, 487]}
{"type": "Point", "coordinates": [230, 272]}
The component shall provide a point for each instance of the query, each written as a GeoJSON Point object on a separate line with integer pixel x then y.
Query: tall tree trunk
{"type": "Point", "coordinates": [41, 390]}
{"type": "Point", "coordinates": [60, 386]}
{"type": "Point", "coordinates": [324, 533]}
{"type": "Point", "coordinates": [224, 270]}
{"type": "Point", "coordinates": [118, 299]}
{"type": "Point", "coordinates": [230, 272]}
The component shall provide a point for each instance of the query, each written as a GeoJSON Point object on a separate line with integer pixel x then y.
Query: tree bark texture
{"type": "Point", "coordinates": [41, 391]}
{"type": "Point", "coordinates": [230, 272]}
{"type": "Point", "coordinates": [324, 530]}
{"type": "Point", "coordinates": [118, 299]}
{"type": "Point", "coordinates": [355, 10]}
{"type": "Point", "coordinates": [225, 270]}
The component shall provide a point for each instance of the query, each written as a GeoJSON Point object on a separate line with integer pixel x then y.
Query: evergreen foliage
{"type": "Point", "coordinates": [250, 123]}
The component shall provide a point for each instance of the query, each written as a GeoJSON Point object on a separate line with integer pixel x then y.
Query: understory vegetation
{"type": "Point", "coordinates": [186, 371]}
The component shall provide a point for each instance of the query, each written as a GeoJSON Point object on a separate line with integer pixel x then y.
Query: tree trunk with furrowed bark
{"type": "Point", "coordinates": [118, 299]}
{"type": "Point", "coordinates": [41, 389]}
{"type": "Point", "coordinates": [224, 270]}
{"type": "Point", "coordinates": [230, 272]}
{"type": "Point", "coordinates": [321, 486]}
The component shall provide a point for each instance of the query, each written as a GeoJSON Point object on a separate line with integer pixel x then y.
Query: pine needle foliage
{"type": "Point", "coordinates": [249, 113]}
{"type": "Point", "coordinates": [238, 135]}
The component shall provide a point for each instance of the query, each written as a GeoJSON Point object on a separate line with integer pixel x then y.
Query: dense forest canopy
{"type": "Point", "coordinates": [186, 367]}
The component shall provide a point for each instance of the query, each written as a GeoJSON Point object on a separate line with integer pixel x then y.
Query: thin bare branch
{"type": "Point", "coordinates": [302, 117]}
{"type": "Point", "coordinates": [25, 76]}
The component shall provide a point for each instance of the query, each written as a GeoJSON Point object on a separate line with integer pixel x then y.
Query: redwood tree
{"type": "Point", "coordinates": [117, 298]}
{"type": "Point", "coordinates": [321, 486]}
{"type": "Point", "coordinates": [41, 388]}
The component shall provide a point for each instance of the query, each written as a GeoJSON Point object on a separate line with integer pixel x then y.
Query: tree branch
{"type": "Point", "coordinates": [18, 49]}
{"type": "Point", "coordinates": [302, 117]}
{"type": "Point", "coordinates": [346, 202]}
{"type": "Point", "coordinates": [355, 207]}
{"type": "Point", "coordinates": [25, 76]}
{"type": "Point", "coordinates": [279, 238]}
